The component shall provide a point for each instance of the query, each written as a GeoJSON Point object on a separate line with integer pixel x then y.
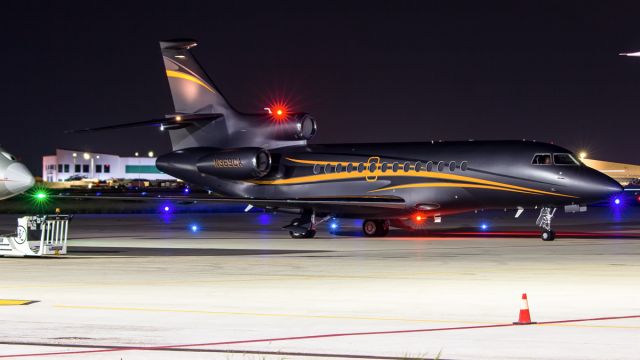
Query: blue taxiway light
{"type": "Point", "coordinates": [333, 226]}
{"type": "Point", "coordinates": [484, 226]}
{"type": "Point", "coordinates": [194, 228]}
{"type": "Point", "coordinates": [616, 201]}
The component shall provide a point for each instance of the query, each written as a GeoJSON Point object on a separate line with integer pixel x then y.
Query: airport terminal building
{"type": "Point", "coordinates": [66, 164]}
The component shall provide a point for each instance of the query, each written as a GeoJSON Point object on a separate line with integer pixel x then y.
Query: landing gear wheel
{"type": "Point", "coordinates": [303, 235]}
{"type": "Point", "coordinates": [383, 228]}
{"type": "Point", "coordinates": [372, 228]}
{"type": "Point", "coordinates": [548, 235]}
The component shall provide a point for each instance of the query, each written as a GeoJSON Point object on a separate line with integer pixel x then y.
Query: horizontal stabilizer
{"type": "Point", "coordinates": [169, 123]}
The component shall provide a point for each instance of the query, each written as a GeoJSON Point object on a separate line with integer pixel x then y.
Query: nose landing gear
{"type": "Point", "coordinates": [544, 221]}
{"type": "Point", "coordinates": [304, 227]}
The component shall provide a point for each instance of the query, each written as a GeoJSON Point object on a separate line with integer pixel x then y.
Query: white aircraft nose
{"type": "Point", "coordinates": [18, 178]}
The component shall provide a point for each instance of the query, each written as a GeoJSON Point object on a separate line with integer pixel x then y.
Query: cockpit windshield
{"type": "Point", "coordinates": [8, 156]}
{"type": "Point", "coordinates": [564, 159]}
{"type": "Point", "coordinates": [555, 159]}
{"type": "Point", "coordinates": [541, 159]}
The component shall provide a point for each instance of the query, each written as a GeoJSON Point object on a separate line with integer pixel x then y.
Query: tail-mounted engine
{"type": "Point", "coordinates": [236, 164]}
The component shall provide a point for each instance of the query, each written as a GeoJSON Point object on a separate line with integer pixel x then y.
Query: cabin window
{"type": "Point", "coordinates": [541, 159]}
{"type": "Point", "coordinates": [430, 166]}
{"type": "Point", "coordinates": [418, 167]}
{"type": "Point", "coordinates": [464, 165]}
{"type": "Point", "coordinates": [316, 169]}
{"type": "Point", "coordinates": [372, 167]}
{"type": "Point", "coordinates": [396, 166]}
{"type": "Point", "coordinates": [338, 167]}
{"type": "Point", "coordinates": [360, 167]}
{"type": "Point", "coordinates": [349, 167]}
{"type": "Point", "coordinates": [406, 167]}
{"type": "Point", "coordinates": [441, 166]}
{"type": "Point", "coordinates": [452, 166]}
{"type": "Point", "coordinates": [564, 159]}
{"type": "Point", "coordinates": [327, 169]}
{"type": "Point", "coordinates": [385, 166]}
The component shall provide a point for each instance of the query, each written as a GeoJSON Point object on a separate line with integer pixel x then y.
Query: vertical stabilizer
{"type": "Point", "coordinates": [192, 90]}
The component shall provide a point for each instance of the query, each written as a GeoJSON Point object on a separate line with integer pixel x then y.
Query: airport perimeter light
{"type": "Point", "coordinates": [86, 156]}
{"type": "Point", "coordinates": [150, 153]}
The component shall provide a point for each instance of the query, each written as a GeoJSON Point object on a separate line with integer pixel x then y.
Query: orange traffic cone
{"type": "Point", "coordinates": [525, 316]}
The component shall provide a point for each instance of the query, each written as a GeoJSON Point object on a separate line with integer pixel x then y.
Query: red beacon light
{"type": "Point", "coordinates": [277, 111]}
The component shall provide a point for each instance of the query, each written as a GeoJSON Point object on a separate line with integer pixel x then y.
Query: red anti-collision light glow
{"type": "Point", "coordinates": [278, 111]}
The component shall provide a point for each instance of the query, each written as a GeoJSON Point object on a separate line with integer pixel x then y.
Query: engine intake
{"type": "Point", "coordinates": [236, 164]}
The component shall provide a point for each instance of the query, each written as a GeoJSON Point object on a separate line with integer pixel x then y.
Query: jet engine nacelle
{"type": "Point", "coordinates": [236, 164]}
{"type": "Point", "coordinates": [301, 126]}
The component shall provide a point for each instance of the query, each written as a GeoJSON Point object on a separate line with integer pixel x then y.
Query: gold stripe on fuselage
{"type": "Point", "coordinates": [456, 185]}
{"type": "Point", "coordinates": [493, 185]}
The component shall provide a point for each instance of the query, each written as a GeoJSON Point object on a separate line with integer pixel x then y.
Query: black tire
{"type": "Point", "coordinates": [383, 228]}
{"type": "Point", "coordinates": [304, 235]}
{"type": "Point", "coordinates": [548, 235]}
{"type": "Point", "coordinates": [370, 228]}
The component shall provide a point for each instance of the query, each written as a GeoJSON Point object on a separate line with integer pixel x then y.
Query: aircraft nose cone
{"type": "Point", "coordinates": [605, 187]}
{"type": "Point", "coordinates": [18, 178]}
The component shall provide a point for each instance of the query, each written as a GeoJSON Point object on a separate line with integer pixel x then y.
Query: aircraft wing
{"type": "Point", "coordinates": [388, 202]}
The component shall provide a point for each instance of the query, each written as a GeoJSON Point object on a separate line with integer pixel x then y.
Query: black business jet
{"type": "Point", "coordinates": [264, 160]}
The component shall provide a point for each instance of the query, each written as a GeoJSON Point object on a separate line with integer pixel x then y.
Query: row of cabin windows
{"type": "Point", "coordinates": [394, 167]}
{"type": "Point", "coordinates": [82, 168]}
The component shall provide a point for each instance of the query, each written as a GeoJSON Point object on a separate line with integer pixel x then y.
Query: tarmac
{"type": "Point", "coordinates": [148, 287]}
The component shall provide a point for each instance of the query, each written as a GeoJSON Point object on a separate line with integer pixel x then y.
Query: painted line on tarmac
{"type": "Point", "coordinates": [231, 351]}
{"type": "Point", "coordinates": [304, 316]}
{"type": "Point", "coordinates": [305, 337]}
{"type": "Point", "coordinates": [238, 313]}
{"type": "Point", "coordinates": [11, 302]}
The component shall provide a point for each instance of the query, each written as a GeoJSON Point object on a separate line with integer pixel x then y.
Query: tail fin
{"type": "Point", "coordinates": [192, 90]}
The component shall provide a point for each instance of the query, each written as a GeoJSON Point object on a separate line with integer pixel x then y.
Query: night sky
{"type": "Point", "coordinates": [368, 71]}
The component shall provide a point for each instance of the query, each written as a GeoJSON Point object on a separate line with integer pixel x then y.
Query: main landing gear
{"type": "Point", "coordinates": [377, 228]}
{"type": "Point", "coordinates": [544, 221]}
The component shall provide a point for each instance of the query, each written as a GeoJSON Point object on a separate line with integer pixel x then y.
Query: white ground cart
{"type": "Point", "coordinates": [37, 236]}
